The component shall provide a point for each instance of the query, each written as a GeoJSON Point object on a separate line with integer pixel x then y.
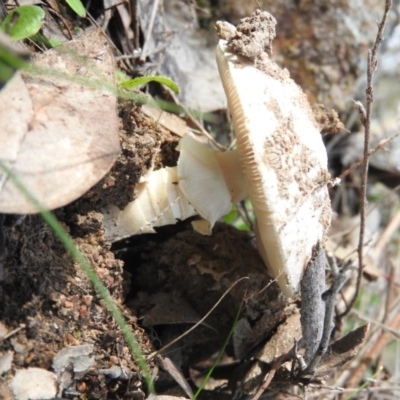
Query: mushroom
{"type": "Point", "coordinates": [281, 151]}
{"type": "Point", "coordinates": [206, 182]}
{"type": "Point", "coordinates": [280, 162]}
{"type": "Point", "coordinates": [158, 202]}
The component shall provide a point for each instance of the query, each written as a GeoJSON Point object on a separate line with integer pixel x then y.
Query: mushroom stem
{"type": "Point", "coordinates": [231, 168]}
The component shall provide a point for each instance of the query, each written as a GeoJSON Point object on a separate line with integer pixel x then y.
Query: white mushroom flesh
{"type": "Point", "coordinates": [159, 202]}
{"type": "Point", "coordinates": [210, 180]}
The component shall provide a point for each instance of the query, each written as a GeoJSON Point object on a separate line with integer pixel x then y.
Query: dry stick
{"type": "Point", "coordinates": [373, 349]}
{"type": "Point", "coordinates": [13, 332]}
{"type": "Point", "coordinates": [136, 24]}
{"type": "Point", "coordinates": [244, 214]}
{"type": "Point", "coordinates": [374, 334]}
{"type": "Point", "coordinates": [379, 146]}
{"type": "Point", "coordinates": [122, 2]}
{"type": "Point", "coordinates": [365, 116]}
{"type": "Point", "coordinates": [198, 125]}
{"type": "Point", "coordinates": [110, 42]}
{"type": "Point", "coordinates": [268, 378]}
{"type": "Point", "coordinates": [366, 390]}
{"type": "Point", "coordinates": [65, 23]}
{"type": "Point", "coordinates": [145, 49]}
{"type": "Point", "coordinates": [152, 355]}
{"type": "Point", "coordinates": [378, 248]}
{"type": "Point", "coordinates": [387, 234]}
{"type": "Point", "coordinates": [257, 293]}
{"type": "Point", "coordinates": [385, 317]}
{"type": "Point", "coordinates": [324, 387]}
{"type": "Point", "coordinates": [373, 322]}
{"type": "Point", "coordinates": [376, 350]}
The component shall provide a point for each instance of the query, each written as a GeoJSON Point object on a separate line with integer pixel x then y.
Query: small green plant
{"type": "Point", "coordinates": [23, 22]}
{"type": "Point", "coordinates": [142, 80]}
{"type": "Point", "coordinates": [220, 353]}
{"type": "Point", "coordinates": [235, 218]}
{"type": "Point", "coordinates": [78, 7]}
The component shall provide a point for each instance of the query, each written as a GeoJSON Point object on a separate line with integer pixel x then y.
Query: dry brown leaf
{"type": "Point", "coordinates": [58, 136]}
{"type": "Point", "coordinates": [282, 340]}
{"type": "Point", "coordinates": [170, 121]}
{"type": "Point", "coordinates": [343, 350]}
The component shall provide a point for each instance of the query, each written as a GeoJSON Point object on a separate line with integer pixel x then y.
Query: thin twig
{"type": "Point", "coordinates": [366, 390]}
{"type": "Point", "coordinates": [258, 292]}
{"type": "Point", "coordinates": [145, 49]}
{"type": "Point", "coordinates": [373, 321]}
{"type": "Point", "coordinates": [376, 350]}
{"type": "Point", "coordinates": [196, 123]}
{"type": "Point", "coordinates": [365, 116]}
{"type": "Point", "coordinates": [65, 23]}
{"type": "Point", "coordinates": [245, 215]}
{"type": "Point", "coordinates": [13, 332]}
{"type": "Point", "coordinates": [371, 350]}
{"type": "Point", "coordinates": [379, 146]}
{"type": "Point", "coordinates": [387, 234]}
{"type": "Point", "coordinates": [268, 378]}
{"type": "Point", "coordinates": [374, 334]}
{"type": "Point", "coordinates": [388, 301]}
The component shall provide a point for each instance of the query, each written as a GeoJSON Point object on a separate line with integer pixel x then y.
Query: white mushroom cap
{"type": "Point", "coordinates": [284, 162]}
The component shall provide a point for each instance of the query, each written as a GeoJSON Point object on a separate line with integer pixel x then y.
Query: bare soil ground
{"type": "Point", "coordinates": [164, 283]}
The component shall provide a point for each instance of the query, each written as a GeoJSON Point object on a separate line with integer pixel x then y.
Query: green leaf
{"type": "Point", "coordinates": [120, 76]}
{"type": "Point", "coordinates": [23, 22]}
{"type": "Point", "coordinates": [146, 79]}
{"type": "Point", "coordinates": [234, 218]}
{"type": "Point", "coordinates": [78, 7]}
